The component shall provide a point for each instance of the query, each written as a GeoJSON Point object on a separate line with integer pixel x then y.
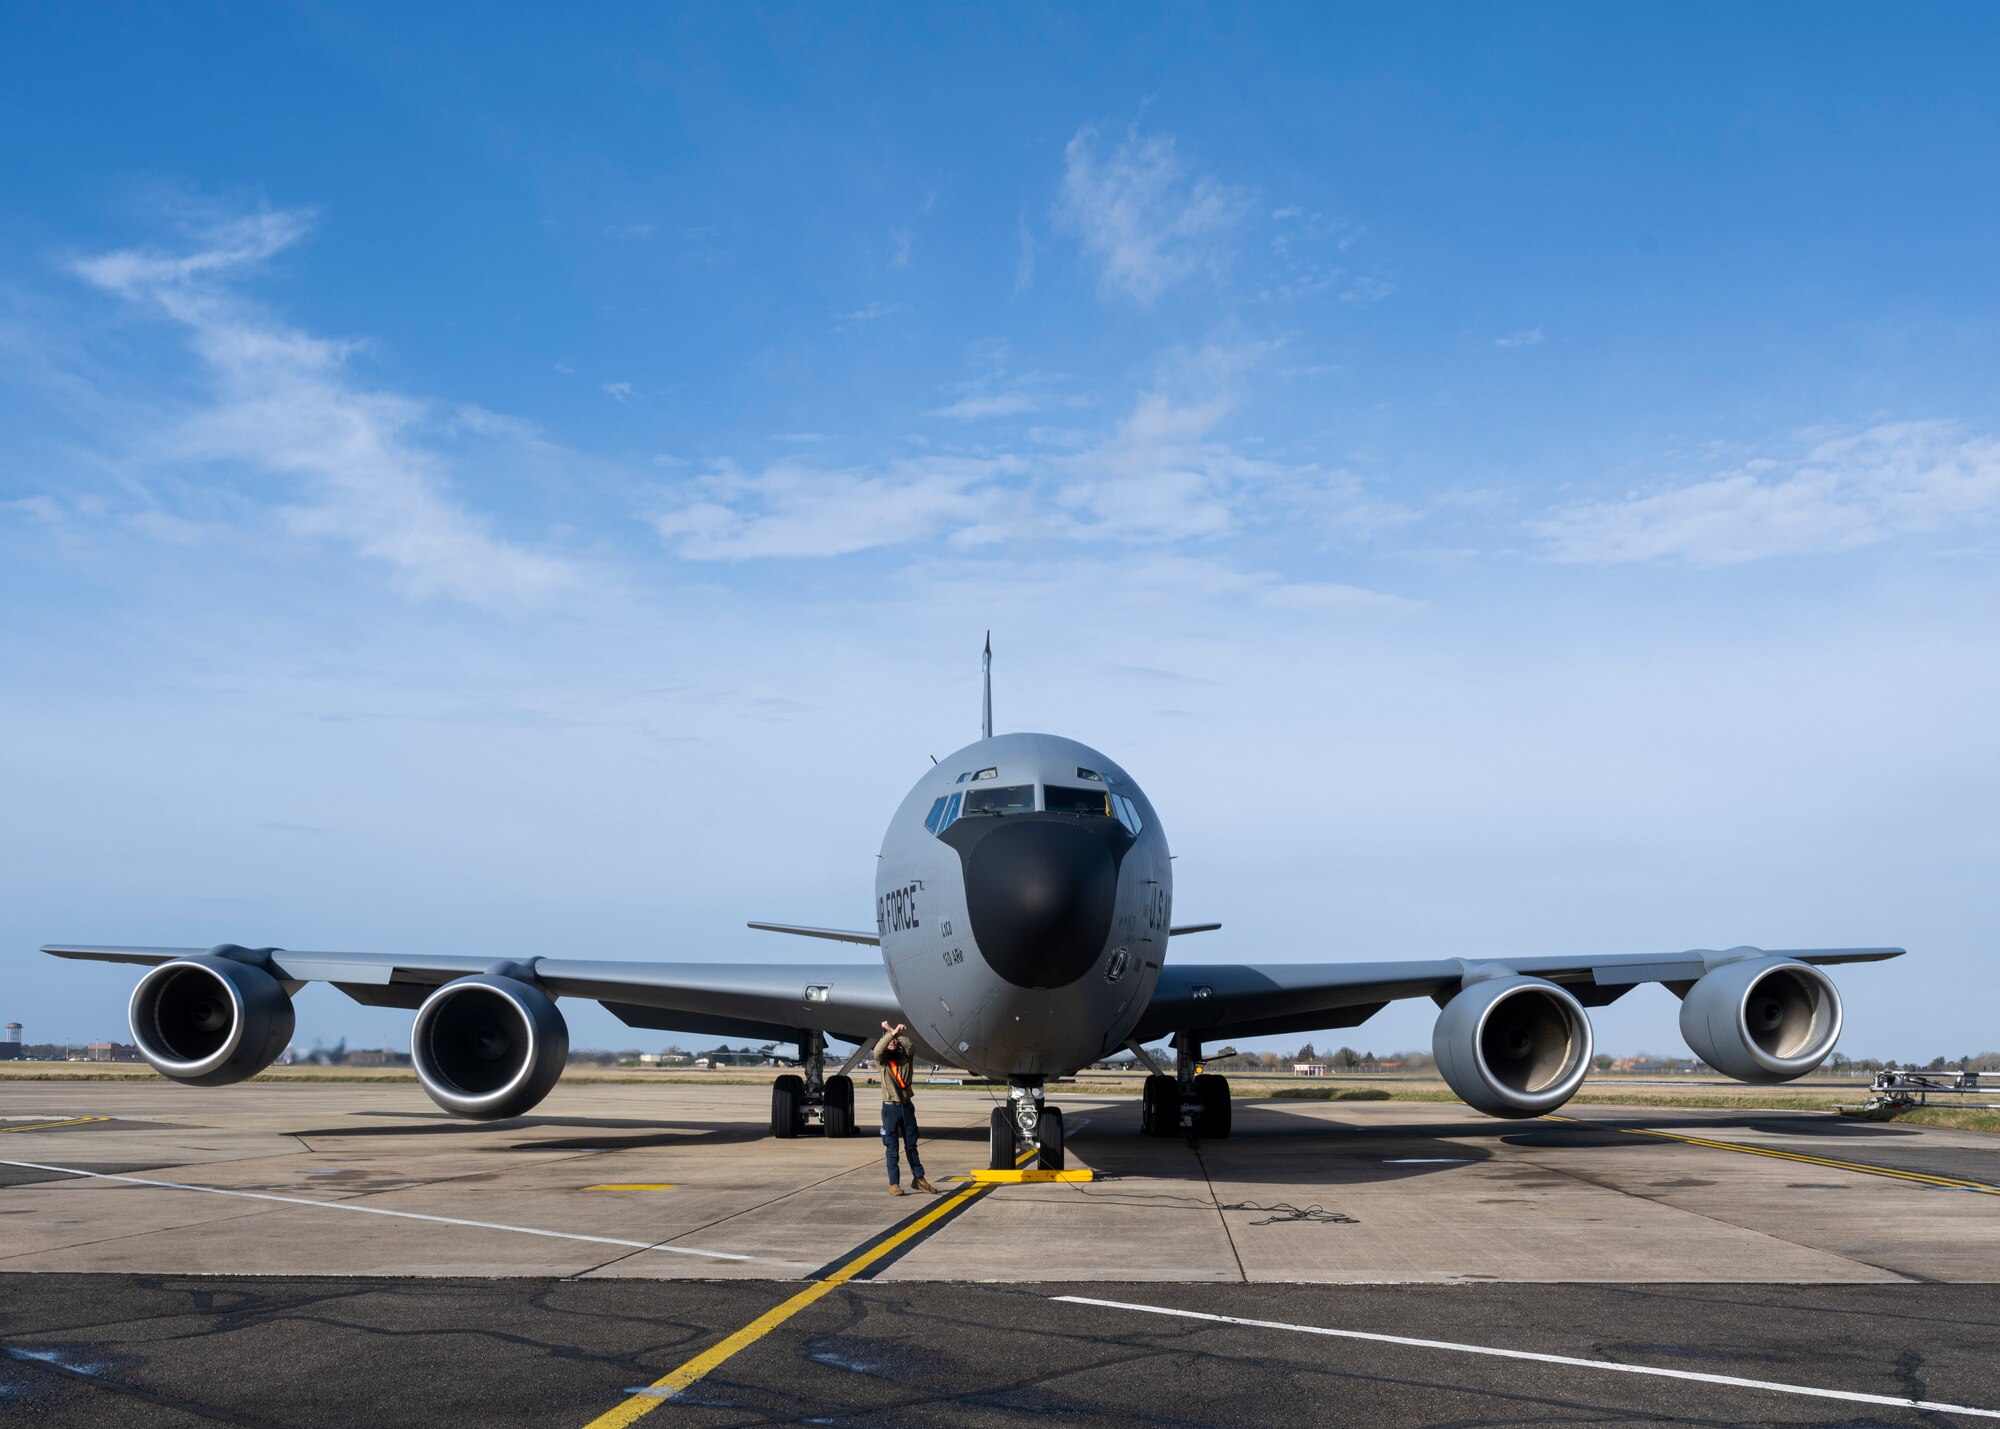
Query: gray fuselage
{"type": "Point", "coordinates": [1023, 898]}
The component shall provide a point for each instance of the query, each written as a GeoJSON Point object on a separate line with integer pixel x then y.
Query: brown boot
{"type": "Point", "coordinates": [894, 1189]}
{"type": "Point", "coordinates": [920, 1184]}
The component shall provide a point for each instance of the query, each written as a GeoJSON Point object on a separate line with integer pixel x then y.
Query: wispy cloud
{"type": "Point", "coordinates": [999, 394]}
{"type": "Point", "coordinates": [791, 509]}
{"type": "Point", "coordinates": [1167, 474]}
{"type": "Point", "coordinates": [282, 403]}
{"type": "Point", "coordinates": [799, 439]}
{"type": "Point", "coordinates": [1366, 289]}
{"type": "Point", "coordinates": [992, 404]}
{"type": "Point", "coordinates": [1161, 476]}
{"type": "Point", "coordinates": [1528, 337]}
{"type": "Point", "coordinates": [617, 391]}
{"type": "Point", "coordinates": [1307, 259]}
{"type": "Point", "coordinates": [1844, 492]}
{"type": "Point", "coordinates": [1148, 219]}
{"type": "Point", "coordinates": [629, 230]}
{"type": "Point", "coordinates": [869, 313]}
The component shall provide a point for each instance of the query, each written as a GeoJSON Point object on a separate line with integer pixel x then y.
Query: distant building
{"type": "Point", "coordinates": [376, 1057]}
{"type": "Point", "coordinates": [1644, 1063]}
{"type": "Point", "coordinates": [110, 1052]}
{"type": "Point", "coordinates": [14, 1033]}
{"type": "Point", "coordinates": [1308, 1069]}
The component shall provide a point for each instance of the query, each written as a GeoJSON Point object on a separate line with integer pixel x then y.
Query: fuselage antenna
{"type": "Point", "coordinates": [986, 668]}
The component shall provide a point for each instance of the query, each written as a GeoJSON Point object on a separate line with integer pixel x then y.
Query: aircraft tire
{"type": "Point", "coordinates": [1000, 1141]}
{"type": "Point", "coordinates": [1159, 1116]}
{"type": "Point", "coordinates": [1050, 1157]}
{"type": "Point", "coordinates": [838, 1119]}
{"type": "Point", "coordinates": [788, 1099]}
{"type": "Point", "coordinates": [1213, 1094]}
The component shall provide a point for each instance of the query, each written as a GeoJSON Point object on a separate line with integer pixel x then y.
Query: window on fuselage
{"type": "Point", "coordinates": [1007, 799]}
{"type": "Point", "coordinates": [934, 820]}
{"type": "Point", "coordinates": [1127, 813]}
{"type": "Point", "coordinates": [1058, 800]}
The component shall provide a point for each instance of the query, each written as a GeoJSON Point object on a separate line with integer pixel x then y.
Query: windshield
{"type": "Point", "coordinates": [1058, 800]}
{"type": "Point", "coordinates": [1010, 799]}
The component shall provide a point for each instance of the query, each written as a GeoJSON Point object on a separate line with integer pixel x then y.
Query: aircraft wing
{"type": "Point", "coordinates": [1229, 1000]}
{"type": "Point", "coordinates": [770, 1001]}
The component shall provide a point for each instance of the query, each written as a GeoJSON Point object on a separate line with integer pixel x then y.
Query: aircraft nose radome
{"type": "Point", "coordinates": [1041, 895]}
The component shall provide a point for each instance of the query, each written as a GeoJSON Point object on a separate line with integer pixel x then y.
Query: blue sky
{"type": "Point", "coordinates": [534, 481]}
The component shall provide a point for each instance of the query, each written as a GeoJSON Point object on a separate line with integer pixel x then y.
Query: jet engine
{"type": "Point", "coordinates": [1762, 1019]}
{"type": "Point", "coordinates": [210, 1020]}
{"type": "Point", "coordinates": [488, 1047]}
{"type": "Point", "coordinates": [1513, 1046]}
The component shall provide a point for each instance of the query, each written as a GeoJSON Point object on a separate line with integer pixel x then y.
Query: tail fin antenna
{"type": "Point", "coordinates": [986, 668]}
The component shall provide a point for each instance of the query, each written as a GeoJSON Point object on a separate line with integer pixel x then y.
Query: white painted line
{"type": "Point", "coordinates": [1428, 1161]}
{"type": "Point", "coordinates": [404, 1215]}
{"type": "Point", "coordinates": [1773, 1386]}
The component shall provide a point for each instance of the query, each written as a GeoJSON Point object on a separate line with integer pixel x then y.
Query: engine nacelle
{"type": "Point", "coordinates": [1762, 1019]}
{"type": "Point", "coordinates": [1513, 1046]}
{"type": "Point", "coordinates": [488, 1047]}
{"type": "Point", "coordinates": [210, 1020]}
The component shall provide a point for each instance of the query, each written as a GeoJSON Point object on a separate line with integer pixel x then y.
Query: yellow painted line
{"type": "Point", "coordinates": [632, 1186]}
{"type": "Point", "coordinates": [1862, 1167]}
{"type": "Point", "coordinates": [1016, 1178]}
{"type": "Point", "coordinates": [52, 1125]}
{"type": "Point", "coordinates": [641, 1402]}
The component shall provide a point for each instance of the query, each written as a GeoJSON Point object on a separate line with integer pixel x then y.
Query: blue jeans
{"type": "Point", "coordinates": [900, 1121]}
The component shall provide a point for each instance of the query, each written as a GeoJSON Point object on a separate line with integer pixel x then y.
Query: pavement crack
{"type": "Point", "coordinates": [1223, 1220]}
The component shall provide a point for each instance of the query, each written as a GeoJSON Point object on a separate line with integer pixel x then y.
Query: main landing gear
{"type": "Point", "coordinates": [1025, 1124]}
{"type": "Point", "coordinates": [797, 1102]}
{"type": "Point", "coordinates": [1189, 1101]}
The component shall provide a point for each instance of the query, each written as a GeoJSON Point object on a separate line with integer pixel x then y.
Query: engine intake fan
{"type": "Point", "coordinates": [1513, 1046]}
{"type": "Point", "coordinates": [488, 1047]}
{"type": "Point", "coordinates": [210, 1020]}
{"type": "Point", "coordinates": [1762, 1019]}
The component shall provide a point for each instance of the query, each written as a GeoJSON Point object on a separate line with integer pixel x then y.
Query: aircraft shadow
{"type": "Point", "coordinates": [1266, 1146]}
{"type": "Point", "coordinates": [626, 1133]}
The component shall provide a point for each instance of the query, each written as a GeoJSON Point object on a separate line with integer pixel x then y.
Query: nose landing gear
{"type": "Point", "coordinates": [1025, 1124]}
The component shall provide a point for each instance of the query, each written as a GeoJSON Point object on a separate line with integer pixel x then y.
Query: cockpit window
{"type": "Point", "coordinates": [1007, 799]}
{"type": "Point", "coordinates": [934, 820]}
{"type": "Point", "coordinates": [1127, 813]}
{"type": "Point", "coordinates": [1090, 774]}
{"type": "Point", "coordinates": [1058, 800]}
{"type": "Point", "coordinates": [971, 776]}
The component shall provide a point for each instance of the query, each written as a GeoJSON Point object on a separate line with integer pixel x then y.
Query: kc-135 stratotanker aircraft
{"type": "Point", "coordinates": [1023, 906]}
